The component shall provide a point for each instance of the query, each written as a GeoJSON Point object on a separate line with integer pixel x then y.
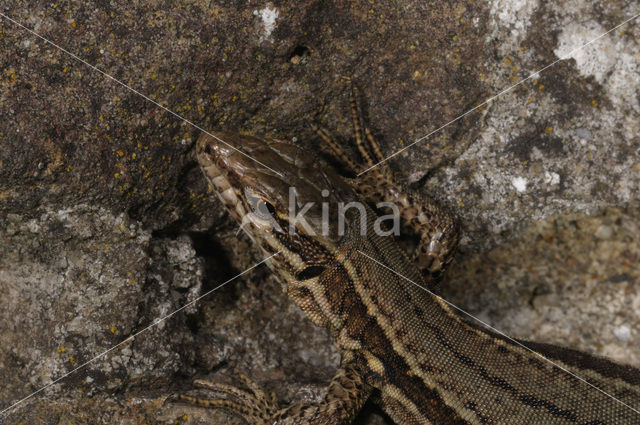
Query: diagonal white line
{"type": "Point", "coordinates": [568, 55]}
{"type": "Point", "coordinates": [157, 321]}
{"type": "Point", "coordinates": [499, 332]}
{"type": "Point", "coordinates": [132, 337]}
{"type": "Point", "coordinates": [135, 91]}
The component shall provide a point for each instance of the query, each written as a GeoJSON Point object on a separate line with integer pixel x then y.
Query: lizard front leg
{"type": "Point", "coordinates": [433, 224]}
{"type": "Point", "coordinates": [345, 397]}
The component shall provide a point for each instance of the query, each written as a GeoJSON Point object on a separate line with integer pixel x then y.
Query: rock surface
{"type": "Point", "coordinates": [106, 225]}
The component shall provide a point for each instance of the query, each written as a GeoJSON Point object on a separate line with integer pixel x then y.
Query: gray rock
{"type": "Point", "coordinates": [106, 223]}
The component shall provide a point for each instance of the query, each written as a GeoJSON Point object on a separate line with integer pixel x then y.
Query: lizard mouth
{"type": "Point", "coordinates": [210, 158]}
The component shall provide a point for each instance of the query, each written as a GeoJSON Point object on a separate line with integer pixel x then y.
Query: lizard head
{"type": "Point", "coordinates": [282, 196]}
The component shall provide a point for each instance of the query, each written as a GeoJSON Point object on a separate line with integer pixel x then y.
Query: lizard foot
{"type": "Point", "coordinates": [433, 225]}
{"type": "Point", "coordinates": [255, 405]}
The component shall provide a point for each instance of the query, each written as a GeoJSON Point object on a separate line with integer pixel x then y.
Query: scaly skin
{"type": "Point", "coordinates": [423, 363]}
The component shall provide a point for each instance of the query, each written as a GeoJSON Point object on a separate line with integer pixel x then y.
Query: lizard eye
{"type": "Point", "coordinates": [265, 209]}
{"type": "Point", "coordinates": [260, 207]}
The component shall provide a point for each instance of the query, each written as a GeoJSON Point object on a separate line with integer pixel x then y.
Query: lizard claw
{"type": "Point", "coordinates": [254, 406]}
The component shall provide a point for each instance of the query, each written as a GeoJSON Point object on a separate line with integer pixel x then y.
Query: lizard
{"type": "Point", "coordinates": [401, 346]}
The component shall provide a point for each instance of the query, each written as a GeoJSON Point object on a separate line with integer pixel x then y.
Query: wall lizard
{"type": "Point", "coordinates": [401, 346]}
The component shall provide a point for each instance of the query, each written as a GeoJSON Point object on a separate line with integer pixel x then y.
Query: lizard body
{"type": "Point", "coordinates": [400, 344]}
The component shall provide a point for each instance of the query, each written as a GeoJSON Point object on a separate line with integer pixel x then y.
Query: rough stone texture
{"type": "Point", "coordinates": [543, 256]}
{"type": "Point", "coordinates": [78, 281]}
{"type": "Point", "coordinates": [570, 279]}
{"type": "Point", "coordinates": [565, 140]}
{"type": "Point", "coordinates": [106, 224]}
